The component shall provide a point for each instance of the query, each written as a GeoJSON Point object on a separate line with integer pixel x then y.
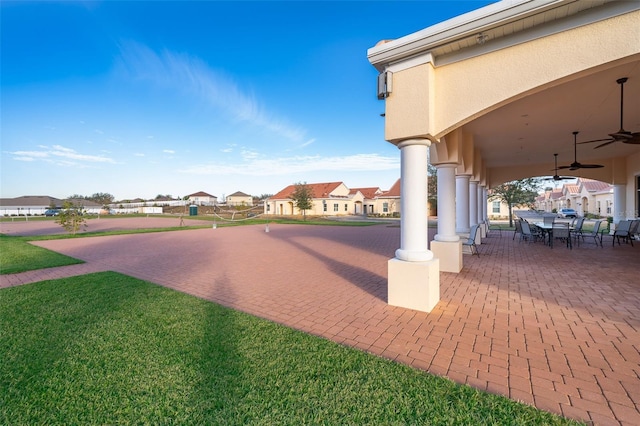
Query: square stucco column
{"type": "Point", "coordinates": [414, 274]}
{"type": "Point", "coordinates": [446, 245]}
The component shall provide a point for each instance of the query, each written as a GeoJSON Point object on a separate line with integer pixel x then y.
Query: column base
{"type": "Point", "coordinates": [413, 285]}
{"type": "Point", "coordinates": [449, 253]}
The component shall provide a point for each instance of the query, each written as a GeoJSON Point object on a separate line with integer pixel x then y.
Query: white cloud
{"type": "Point", "coordinates": [139, 154]}
{"type": "Point", "coordinates": [184, 72]}
{"type": "Point", "coordinates": [256, 166]}
{"type": "Point", "coordinates": [307, 143]}
{"type": "Point", "coordinates": [168, 151]}
{"type": "Point", "coordinates": [60, 155]}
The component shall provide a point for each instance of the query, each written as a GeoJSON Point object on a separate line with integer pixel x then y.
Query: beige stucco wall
{"type": "Point", "coordinates": [430, 102]}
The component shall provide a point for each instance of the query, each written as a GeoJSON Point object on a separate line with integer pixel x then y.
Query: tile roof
{"type": "Point", "coordinates": [238, 194]}
{"type": "Point", "coordinates": [555, 195]}
{"type": "Point", "coordinates": [369, 193]}
{"type": "Point", "coordinates": [394, 191]}
{"type": "Point", "coordinates": [594, 185]}
{"type": "Point", "coordinates": [318, 190]}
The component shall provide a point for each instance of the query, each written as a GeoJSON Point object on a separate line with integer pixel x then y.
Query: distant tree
{"type": "Point", "coordinates": [77, 197]}
{"type": "Point", "coordinates": [432, 188]}
{"type": "Point", "coordinates": [302, 197]}
{"type": "Point", "coordinates": [102, 198]}
{"type": "Point", "coordinates": [516, 193]}
{"type": "Point", "coordinates": [71, 217]}
{"type": "Point", "coordinates": [264, 196]}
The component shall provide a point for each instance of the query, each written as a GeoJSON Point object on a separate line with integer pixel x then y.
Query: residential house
{"type": "Point", "coordinates": [365, 200]}
{"type": "Point", "coordinates": [34, 205]}
{"type": "Point", "coordinates": [28, 205]}
{"type": "Point", "coordinates": [330, 198]}
{"type": "Point", "coordinates": [336, 199]}
{"type": "Point", "coordinates": [590, 196]}
{"type": "Point", "coordinates": [202, 199]}
{"type": "Point", "coordinates": [389, 201]}
{"type": "Point", "coordinates": [239, 199]}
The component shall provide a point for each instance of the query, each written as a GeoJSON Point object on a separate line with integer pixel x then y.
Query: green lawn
{"type": "Point", "coordinates": [16, 255]}
{"type": "Point", "coordinates": [110, 349]}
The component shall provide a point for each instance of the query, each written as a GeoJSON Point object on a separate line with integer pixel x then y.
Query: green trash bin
{"type": "Point", "coordinates": [193, 210]}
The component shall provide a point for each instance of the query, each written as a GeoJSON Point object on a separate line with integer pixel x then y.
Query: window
{"type": "Point", "coordinates": [496, 206]}
{"type": "Point", "coordinates": [335, 207]}
{"type": "Point", "coordinates": [268, 207]}
{"type": "Point", "coordinates": [346, 207]}
{"type": "Point", "coordinates": [324, 207]}
{"type": "Point", "coordinates": [385, 207]}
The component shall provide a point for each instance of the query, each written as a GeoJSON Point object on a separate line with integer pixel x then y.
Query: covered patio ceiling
{"type": "Point", "coordinates": [527, 132]}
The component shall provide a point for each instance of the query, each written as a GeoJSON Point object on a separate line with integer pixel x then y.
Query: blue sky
{"type": "Point", "coordinates": [144, 98]}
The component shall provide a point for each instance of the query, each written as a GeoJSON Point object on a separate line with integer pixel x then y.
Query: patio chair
{"type": "Point", "coordinates": [562, 232]}
{"type": "Point", "coordinates": [576, 232]}
{"type": "Point", "coordinates": [635, 229]}
{"type": "Point", "coordinates": [595, 233]}
{"type": "Point", "coordinates": [623, 230]}
{"type": "Point", "coordinates": [518, 229]}
{"type": "Point", "coordinates": [471, 242]}
{"type": "Point", "coordinates": [491, 227]}
{"type": "Point", "coordinates": [548, 219]}
{"type": "Point", "coordinates": [530, 233]}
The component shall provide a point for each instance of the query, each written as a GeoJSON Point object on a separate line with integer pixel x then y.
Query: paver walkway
{"type": "Point", "coordinates": [555, 328]}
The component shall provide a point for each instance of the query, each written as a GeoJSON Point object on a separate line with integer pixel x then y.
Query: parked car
{"type": "Point", "coordinates": [567, 213]}
{"type": "Point", "coordinates": [52, 212]}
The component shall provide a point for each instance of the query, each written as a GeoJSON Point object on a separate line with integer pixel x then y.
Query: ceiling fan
{"type": "Point", "coordinates": [621, 135]}
{"type": "Point", "coordinates": [575, 165]}
{"type": "Point", "coordinates": [555, 176]}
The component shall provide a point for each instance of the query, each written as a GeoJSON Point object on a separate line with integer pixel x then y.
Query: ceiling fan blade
{"type": "Point", "coordinates": [635, 139]}
{"type": "Point", "coordinates": [605, 144]}
{"type": "Point", "coordinates": [597, 140]}
{"type": "Point", "coordinates": [621, 135]}
{"type": "Point", "coordinates": [591, 166]}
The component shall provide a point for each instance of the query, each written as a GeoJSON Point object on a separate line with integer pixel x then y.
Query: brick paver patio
{"type": "Point", "coordinates": [555, 328]}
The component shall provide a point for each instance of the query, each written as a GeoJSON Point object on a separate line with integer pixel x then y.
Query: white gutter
{"type": "Point", "coordinates": [457, 28]}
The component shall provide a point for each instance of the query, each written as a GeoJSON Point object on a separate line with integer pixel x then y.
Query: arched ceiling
{"type": "Point", "coordinates": [527, 132]}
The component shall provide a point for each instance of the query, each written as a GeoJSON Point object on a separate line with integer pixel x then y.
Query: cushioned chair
{"type": "Point", "coordinates": [471, 242]}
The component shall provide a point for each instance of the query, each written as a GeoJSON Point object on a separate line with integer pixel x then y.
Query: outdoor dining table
{"type": "Point", "coordinates": [547, 228]}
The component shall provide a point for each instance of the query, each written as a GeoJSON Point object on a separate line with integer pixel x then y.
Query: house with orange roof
{"type": "Point", "coordinates": [332, 199]}
{"type": "Point", "coordinates": [328, 199]}
{"type": "Point", "coordinates": [589, 196]}
{"type": "Point", "coordinates": [389, 201]}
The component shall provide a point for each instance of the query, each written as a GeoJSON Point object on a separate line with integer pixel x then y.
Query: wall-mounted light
{"type": "Point", "coordinates": [481, 38]}
{"type": "Point", "coordinates": [384, 84]}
